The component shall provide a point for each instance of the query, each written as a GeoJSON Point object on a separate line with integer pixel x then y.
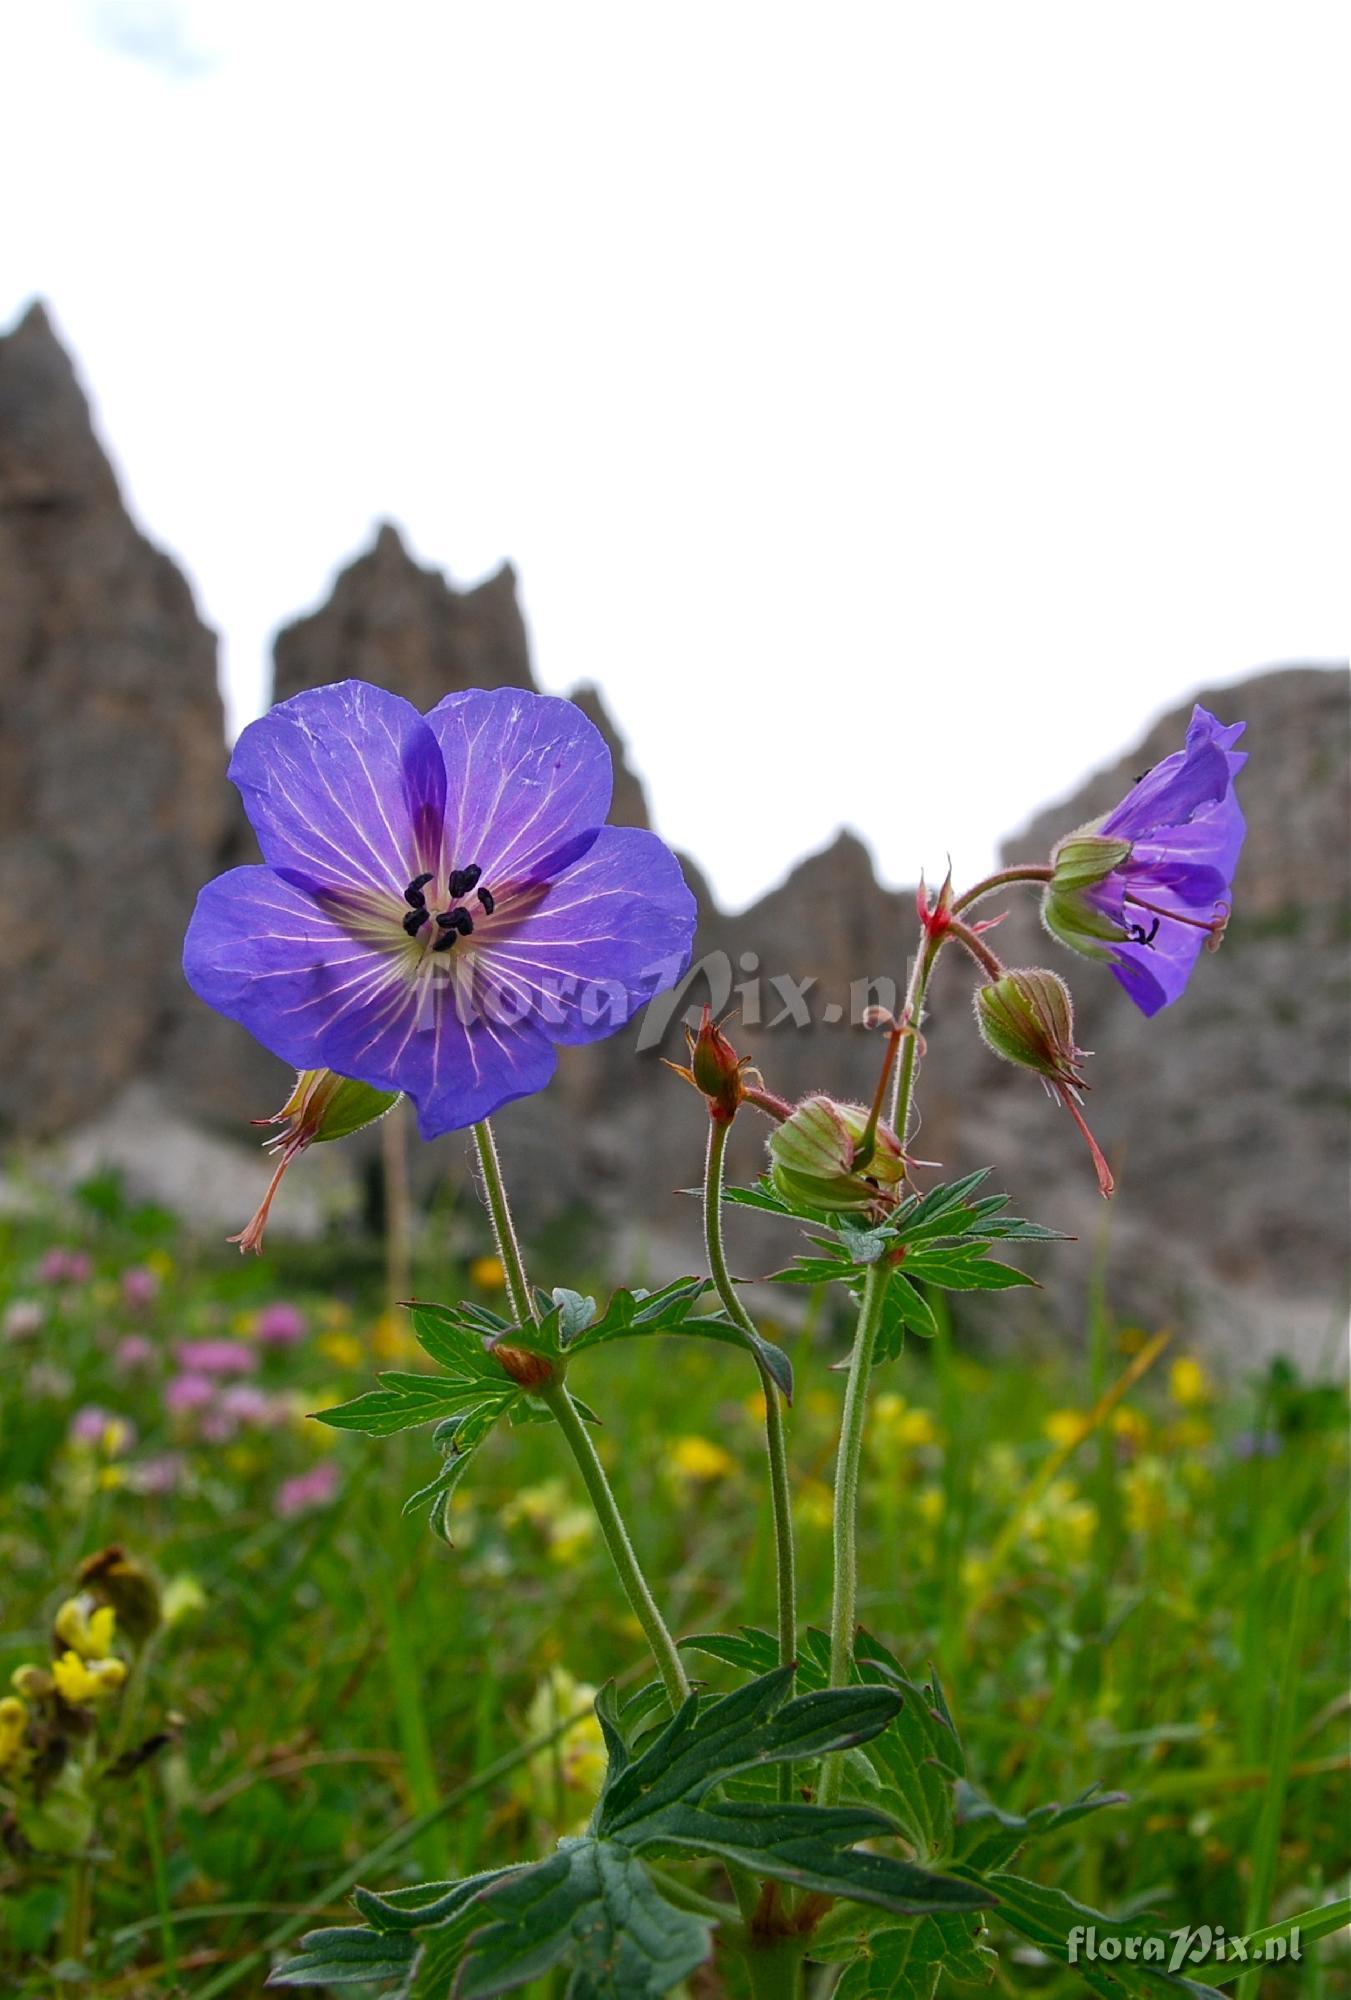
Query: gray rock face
{"type": "Point", "coordinates": [390, 621]}
{"type": "Point", "coordinates": [112, 808]}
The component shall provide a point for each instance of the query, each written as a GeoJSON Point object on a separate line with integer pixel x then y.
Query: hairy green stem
{"type": "Point", "coordinates": [504, 1229]}
{"type": "Point", "coordinates": [1007, 878]}
{"type": "Point", "coordinates": [644, 1605]}
{"type": "Point", "coordinates": [774, 1966]}
{"type": "Point", "coordinates": [844, 1595]}
{"type": "Point", "coordinates": [554, 1393]}
{"type": "Point", "coordinates": [776, 1442]}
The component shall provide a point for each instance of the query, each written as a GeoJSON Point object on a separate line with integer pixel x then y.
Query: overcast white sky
{"type": "Point", "coordinates": [892, 407]}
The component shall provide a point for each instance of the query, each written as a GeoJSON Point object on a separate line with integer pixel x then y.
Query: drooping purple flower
{"type": "Point", "coordinates": [1149, 885]}
{"type": "Point", "coordinates": [441, 903]}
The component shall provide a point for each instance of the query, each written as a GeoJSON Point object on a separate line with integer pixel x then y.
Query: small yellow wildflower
{"type": "Point", "coordinates": [344, 1350]}
{"type": "Point", "coordinates": [1189, 1434]}
{"type": "Point", "coordinates": [1188, 1383]}
{"type": "Point", "coordinates": [1145, 1488]}
{"type": "Point", "coordinates": [976, 1575]}
{"type": "Point", "coordinates": [1067, 1522]}
{"type": "Point", "coordinates": [1129, 1424]}
{"type": "Point", "coordinates": [13, 1726]}
{"type": "Point", "coordinates": [160, 1262]}
{"type": "Point", "coordinates": [536, 1505]}
{"type": "Point", "coordinates": [1065, 1428]}
{"type": "Point", "coordinates": [321, 1436]}
{"type": "Point", "coordinates": [487, 1273]}
{"type": "Point", "coordinates": [755, 1406]}
{"type": "Point", "coordinates": [86, 1629]}
{"type": "Point", "coordinates": [571, 1535]}
{"type": "Point", "coordinates": [814, 1503]}
{"type": "Point", "coordinates": [700, 1460]}
{"type": "Point", "coordinates": [931, 1505]}
{"type": "Point", "coordinates": [82, 1683]}
{"type": "Point", "coordinates": [897, 1424]}
{"type": "Point", "coordinates": [567, 1774]}
{"type": "Point", "coordinates": [393, 1339]}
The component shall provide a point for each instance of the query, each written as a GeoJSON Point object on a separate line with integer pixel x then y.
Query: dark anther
{"type": "Point", "coordinates": [1139, 935]}
{"type": "Point", "coordinates": [457, 921]}
{"type": "Point", "coordinates": [445, 941]}
{"type": "Point", "coordinates": [487, 900]}
{"type": "Point", "coordinates": [414, 921]}
{"type": "Point", "coordinates": [462, 880]}
{"type": "Point", "coordinates": [413, 893]}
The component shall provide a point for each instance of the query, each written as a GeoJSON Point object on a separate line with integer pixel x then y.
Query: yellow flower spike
{"type": "Point", "coordinates": [85, 1628]}
{"type": "Point", "coordinates": [82, 1683]}
{"type": "Point", "coordinates": [488, 1274]}
{"type": "Point", "coordinates": [13, 1728]}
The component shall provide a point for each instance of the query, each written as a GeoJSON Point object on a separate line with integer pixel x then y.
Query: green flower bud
{"type": "Point", "coordinates": [127, 1588]}
{"type": "Point", "coordinates": [812, 1154]}
{"type": "Point", "coordinates": [323, 1105]}
{"type": "Point", "coordinates": [1027, 1017]}
{"type": "Point", "coordinates": [1071, 913]}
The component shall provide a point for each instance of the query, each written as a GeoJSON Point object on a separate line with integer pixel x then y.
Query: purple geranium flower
{"type": "Point", "coordinates": [441, 902]}
{"type": "Point", "coordinates": [1149, 885]}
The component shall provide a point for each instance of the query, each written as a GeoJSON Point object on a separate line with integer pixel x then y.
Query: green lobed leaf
{"type": "Point", "coordinates": [346, 1956]}
{"type": "Point", "coordinates": [631, 1314]}
{"type": "Point", "coordinates": [1048, 1917]}
{"type": "Point", "coordinates": [989, 1838]}
{"type": "Point", "coordinates": [457, 1342]}
{"type": "Point", "coordinates": [595, 1906]}
{"type": "Point", "coordinates": [405, 1400]}
{"type": "Point", "coordinates": [905, 1961]}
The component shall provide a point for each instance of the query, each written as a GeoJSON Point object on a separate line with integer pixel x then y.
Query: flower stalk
{"type": "Point", "coordinates": [553, 1392]}
{"type": "Point", "coordinates": [504, 1229]}
{"type": "Point", "coordinates": [601, 1494]}
{"type": "Point", "coordinates": [776, 1443]}
{"type": "Point", "coordinates": [853, 1421]}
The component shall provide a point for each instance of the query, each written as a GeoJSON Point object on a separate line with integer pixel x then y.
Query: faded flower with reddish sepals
{"type": "Point", "coordinates": [441, 903]}
{"type": "Point", "coordinates": [1149, 885]}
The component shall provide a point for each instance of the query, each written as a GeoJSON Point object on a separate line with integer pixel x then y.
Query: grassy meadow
{"type": "Point", "coordinates": [1122, 1574]}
